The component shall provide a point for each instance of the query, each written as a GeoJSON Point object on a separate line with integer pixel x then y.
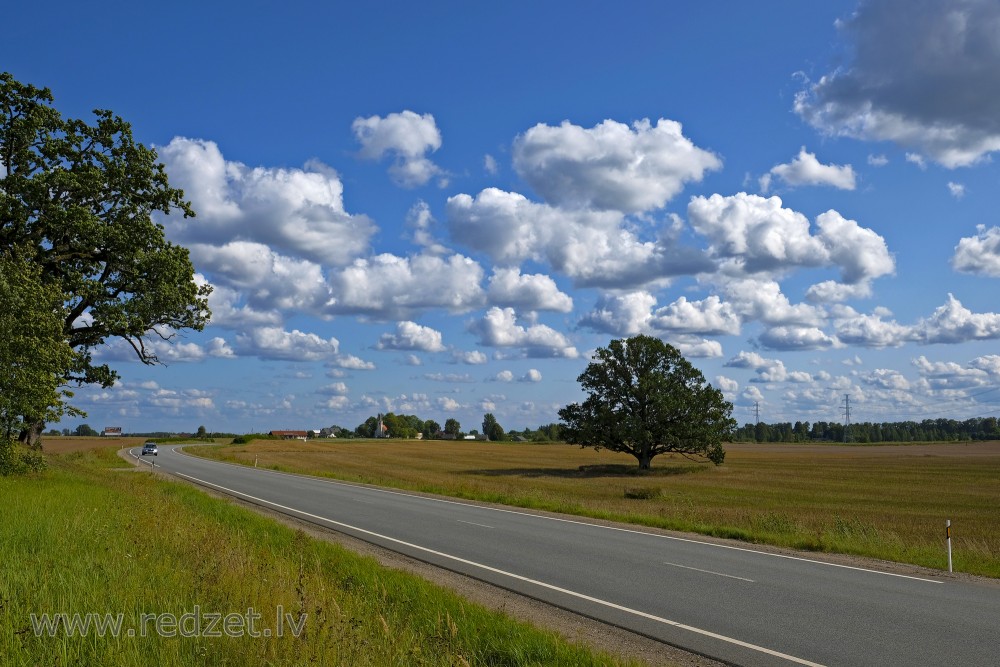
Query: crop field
{"type": "Point", "coordinates": [885, 502]}
{"type": "Point", "coordinates": [67, 444]}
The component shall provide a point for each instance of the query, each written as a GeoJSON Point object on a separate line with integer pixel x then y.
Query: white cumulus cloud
{"type": "Point", "coordinates": [411, 336]}
{"type": "Point", "coordinates": [295, 345]}
{"type": "Point", "coordinates": [594, 248]}
{"type": "Point", "coordinates": [612, 166]}
{"type": "Point", "coordinates": [979, 254]}
{"type": "Point", "coordinates": [805, 169]}
{"type": "Point", "coordinates": [296, 211]}
{"type": "Point", "coordinates": [710, 316]}
{"type": "Point", "coordinates": [408, 137]}
{"type": "Point", "coordinates": [387, 286]}
{"type": "Point", "coordinates": [533, 375]}
{"type": "Point", "coordinates": [621, 314]}
{"type": "Point", "coordinates": [499, 328]}
{"type": "Point", "coordinates": [756, 234]}
{"type": "Point", "coordinates": [509, 287]}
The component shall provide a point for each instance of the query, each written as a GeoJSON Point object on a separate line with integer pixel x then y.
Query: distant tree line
{"type": "Point", "coordinates": [408, 426]}
{"type": "Point", "coordinates": [399, 426]}
{"type": "Point", "coordinates": [928, 430]}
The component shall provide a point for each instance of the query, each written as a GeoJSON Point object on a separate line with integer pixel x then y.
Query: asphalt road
{"type": "Point", "coordinates": [730, 603]}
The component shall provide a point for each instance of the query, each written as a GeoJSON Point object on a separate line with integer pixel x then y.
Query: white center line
{"type": "Point", "coordinates": [536, 582]}
{"type": "Point", "coordinates": [473, 523]}
{"type": "Point", "coordinates": [718, 574]}
{"type": "Point", "coordinates": [544, 517]}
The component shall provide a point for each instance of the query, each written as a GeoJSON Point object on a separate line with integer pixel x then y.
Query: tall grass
{"type": "Point", "coordinates": [883, 502]}
{"type": "Point", "coordinates": [83, 539]}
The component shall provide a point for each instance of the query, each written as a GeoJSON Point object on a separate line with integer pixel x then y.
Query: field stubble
{"type": "Point", "coordinates": [885, 502]}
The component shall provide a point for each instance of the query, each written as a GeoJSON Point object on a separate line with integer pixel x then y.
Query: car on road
{"type": "Point", "coordinates": [149, 448]}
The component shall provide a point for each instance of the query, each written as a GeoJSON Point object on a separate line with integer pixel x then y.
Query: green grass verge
{"type": "Point", "coordinates": [83, 539]}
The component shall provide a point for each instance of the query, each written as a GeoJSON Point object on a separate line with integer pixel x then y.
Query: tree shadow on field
{"type": "Point", "coordinates": [587, 471]}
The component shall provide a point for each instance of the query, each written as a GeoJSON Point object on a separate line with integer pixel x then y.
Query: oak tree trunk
{"type": "Point", "coordinates": [31, 434]}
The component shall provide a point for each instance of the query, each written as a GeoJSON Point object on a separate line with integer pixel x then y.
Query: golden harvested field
{"type": "Point", "coordinates": [66, 444]}
{"type": "Point", "coordinates": [886, 502]}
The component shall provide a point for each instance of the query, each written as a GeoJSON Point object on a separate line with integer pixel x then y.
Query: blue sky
{"type": "Point", "coordinates": [443, 210]}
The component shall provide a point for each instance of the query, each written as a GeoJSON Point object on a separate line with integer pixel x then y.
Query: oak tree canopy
{"type": "Point", "coordinates": [646, 399]}
{"type": "Point", "coordinates": [78, 199]}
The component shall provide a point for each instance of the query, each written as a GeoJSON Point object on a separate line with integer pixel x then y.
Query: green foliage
{"type": "Point", "coordinates": [78, 198]}
{"type": "Point", "coordinates": [492, 429]}
{"type": "Point", "coordinates": [646, 399]}
{"type": "Point", "coordinates": [366, 429]}
{"type": "Point", "coordinates": [34, 355]}
{"type": "Point", "coordinates": [452, 427]}
{"type": "Point", "coordinates": [85, 430]}
{"type": "Point", "coordinates": [398, 426]}
{"type": "Point", "coordinates": [16, 460]}
{"type": "Point", "coordinates": [928, 430]}
{"type": "Point", "coordinates": [551, 432]}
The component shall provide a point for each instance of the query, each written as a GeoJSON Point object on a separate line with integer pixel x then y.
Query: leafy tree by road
{"type": "Point", "coordinates": [646, 399]}
{"type": "Point", "coordinates": [79, 197]}
{"type": "Point", "coordinates": [34, 355]}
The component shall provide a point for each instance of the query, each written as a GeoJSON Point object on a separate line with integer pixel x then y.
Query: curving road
{"type": "Point", "coordinates": [730, 603]}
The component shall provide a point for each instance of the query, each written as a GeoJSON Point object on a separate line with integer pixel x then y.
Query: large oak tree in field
{"type": "Point", "coordinates": [79, 198]}
{"type": "Point", "coordinates": [646, 399]}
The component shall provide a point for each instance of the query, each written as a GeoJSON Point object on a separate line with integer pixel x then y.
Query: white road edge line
{"type": "Point", "coordinates": [473, 523]}
{"type": "Point", "coordinates": [580, 523]}
{"type": "Point", "coordinates": [582, 596]}
{"type": "Point", "coordinates": [718, 574]}
{"type": "Point", "coordinates": [139, 459]}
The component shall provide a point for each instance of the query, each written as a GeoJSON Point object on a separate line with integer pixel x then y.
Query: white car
{"type": "Point", "coordinates": [149, 448]}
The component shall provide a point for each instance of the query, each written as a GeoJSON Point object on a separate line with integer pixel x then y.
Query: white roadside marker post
{"type": "Point", "coordinates": [947, 528]}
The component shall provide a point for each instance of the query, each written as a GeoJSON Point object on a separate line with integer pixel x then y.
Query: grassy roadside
{"type": "Point", "coordinates": [84, 539]}
{"type": "Point", "coordinates": [888, 503]}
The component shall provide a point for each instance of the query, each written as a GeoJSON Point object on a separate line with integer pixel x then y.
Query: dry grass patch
{"type": "Point", "coordinates": [67, 444]}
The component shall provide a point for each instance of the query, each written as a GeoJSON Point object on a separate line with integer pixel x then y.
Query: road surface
{"type": "Point", "coordinates": [730, 603]}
